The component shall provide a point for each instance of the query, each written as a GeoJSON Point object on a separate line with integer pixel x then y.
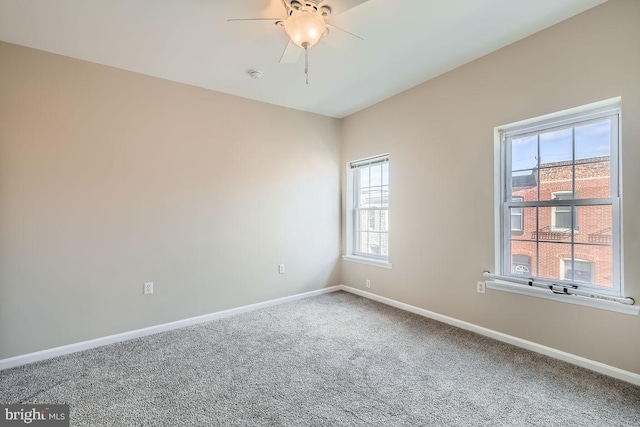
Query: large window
{"type": "Point", "coordinates": [560, 199]}
{"type": "Point", "coordinates": [368, 210]}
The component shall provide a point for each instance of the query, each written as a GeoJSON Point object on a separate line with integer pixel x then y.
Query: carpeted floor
{"type": "Point", "coordinates": [332, 360]}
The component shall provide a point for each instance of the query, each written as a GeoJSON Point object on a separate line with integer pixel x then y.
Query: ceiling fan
{"type": "Point", "coordinates": [306, 23]}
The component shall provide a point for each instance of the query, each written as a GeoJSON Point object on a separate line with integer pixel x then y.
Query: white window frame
{"type": "Point", "coordinates": [500, 280]}
{"type": "Point", "coordinates": [351, 212]}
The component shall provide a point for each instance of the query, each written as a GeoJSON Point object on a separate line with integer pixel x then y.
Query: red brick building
{"type": "Point", "coordinates": [541, 237]}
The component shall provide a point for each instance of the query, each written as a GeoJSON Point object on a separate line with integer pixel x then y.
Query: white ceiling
{"type": "Point", "coordinates": [190, 41]}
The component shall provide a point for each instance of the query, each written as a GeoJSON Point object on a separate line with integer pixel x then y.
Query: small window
{"type": "Point", "coordinates": [521, 265]}
{"type": "Point", "coordinates": [580, 271]}
{"type": "Point", "coordinates": [559, 199]}
{"type": "Point", "coordinates": [517, 219]}
{"type": "Point", "coordinates": [564, 217]}
{"type": "Point", "coordinates": [368, 209]}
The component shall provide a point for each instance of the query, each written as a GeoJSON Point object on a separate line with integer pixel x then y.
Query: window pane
{"type": "Point", "coordinates": [385, 174]}
{"type": "Point", "coordinates": [384, 220]}
{"type": "Point", "coordinates": [556, 183]}
{"type": "Point", "coordinates": [551, 224]}
{"type": "Point", "coordinates": [375, 196]}
{"type": "Point", "coordinates": [364, 198]}
{"type": "Point", "coordinates": [361, 221]}
{"type": "Point", "coordinates": [376, 175]}
{"type": "Point", "coordinates": [580, 271]}
{"type": "Point", "coordinates": [556, 146]}
{"type": "Point", "coordinates": [595, 224]}
{"type": "Point", "coordinates": [364, 177]}
{"type": "Point", "coordinates": [523, 223]}
{"type": "Point", "coordinates": [374, 243]}
{"type": "Point", "coordinates": [563, 218]}
{"type": "Point", "coordinates": [373, 220]}
{"type": "Point", "coordinates": [523, 259]}
{"type": "Point", "coordinates": [593, 178]}
{"type": "Point", "coordinates": [550, 257]}
{"type": "Point", "coordinates": [601, 259]}
{"type": "Point", "coordinates": [384, 244]}
{"type": "Point", "coordinates": [516, 216]}
{"type": "Point", "coordinates": [593, 140]}
{"type": "Point", "coordinates": [517, 226]}
{"type": "Point", "coordinates": [363, 243]}
{"type": "Point", "coordinates": [525, 184]}
{"type": "Point", "coordinates": [524, 153]}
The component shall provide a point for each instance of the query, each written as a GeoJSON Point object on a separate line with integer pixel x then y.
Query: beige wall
{"type": "Point", "coordinates": [440, 139]}
{"type": "Point", "coordinates": [109, 179]}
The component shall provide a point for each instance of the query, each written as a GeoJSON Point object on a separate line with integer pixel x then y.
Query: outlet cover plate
{"type": "Point", "coordinates": [148, 288]}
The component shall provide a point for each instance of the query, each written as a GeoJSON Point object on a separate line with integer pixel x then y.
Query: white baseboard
{"type": "Point", "coordinates": [602, 368]}
{"type": "Point", "coordinates": [592, 365]}
{"type": "Point", "coordinates": [124, 336]}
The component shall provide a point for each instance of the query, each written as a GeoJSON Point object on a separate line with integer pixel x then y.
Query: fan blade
{"type": "Point", "coordinates": [291, 54]}
{"type": "Point", "coordinates": [255, 19]}
{"type": "Point", "coordinates": [344, 31]}
{"type": "Point", "coordinates": [341, 6]}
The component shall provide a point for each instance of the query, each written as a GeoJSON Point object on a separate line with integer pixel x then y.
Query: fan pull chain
{"type": "Point", "coordinates": [306, 61]}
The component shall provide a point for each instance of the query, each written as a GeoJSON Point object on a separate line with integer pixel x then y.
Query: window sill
{"type": "Point", "coordinates": [369, 261]}
{"type": "Point", "coordinates": [500, 285]}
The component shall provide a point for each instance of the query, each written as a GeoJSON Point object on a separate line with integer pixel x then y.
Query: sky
{"type": "Point", "coordinates": [592, 140]}
{"type": "Point", "coordinates": [379, 175]}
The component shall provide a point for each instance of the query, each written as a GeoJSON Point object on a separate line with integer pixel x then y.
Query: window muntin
{"type": "Point", "coordinates": [371, 207]}
{"type": "Point", "coordinates": [562, 180]}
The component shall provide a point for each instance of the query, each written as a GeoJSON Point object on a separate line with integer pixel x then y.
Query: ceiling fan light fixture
{"type": "Point", "coordinates": [305, 27]}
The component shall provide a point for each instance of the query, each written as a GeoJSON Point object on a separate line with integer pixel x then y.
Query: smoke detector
{"type": "Point", "coordinates": [255, 74]}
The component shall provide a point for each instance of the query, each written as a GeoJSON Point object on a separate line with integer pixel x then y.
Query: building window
{"type": "Point", "coordinates": [556, 170]}
{"type": "Point", "coordinates": [580, 271]}
{"type": "Point", "coordinates": [562, 217]}
{"type": "Point", "coordinates": [517, 220]}
{"type": "Point", "coordinates": [368, 209]}
{"type": "Point", "coordinates": [521, 265]}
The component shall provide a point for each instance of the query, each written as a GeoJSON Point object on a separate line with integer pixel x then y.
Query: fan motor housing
{"type": "Point", "coordinates": [308, 6]}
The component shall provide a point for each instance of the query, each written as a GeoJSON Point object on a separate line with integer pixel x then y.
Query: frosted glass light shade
{"type": "Point", "coordinates": [305, 28]}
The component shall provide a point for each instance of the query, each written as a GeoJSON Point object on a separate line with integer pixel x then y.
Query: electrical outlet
{"type": "Point", "coordinates": [481, 287]}
{"type": "Point", "coordinates": [281, 268]}
{"type": "Point", "coordinates": [148, 288]}
{"type": "Point", "coordinates": [368, 283]}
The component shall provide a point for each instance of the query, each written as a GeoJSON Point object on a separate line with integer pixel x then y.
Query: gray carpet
{"type": "Point", "coordinates": [332, 360]}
